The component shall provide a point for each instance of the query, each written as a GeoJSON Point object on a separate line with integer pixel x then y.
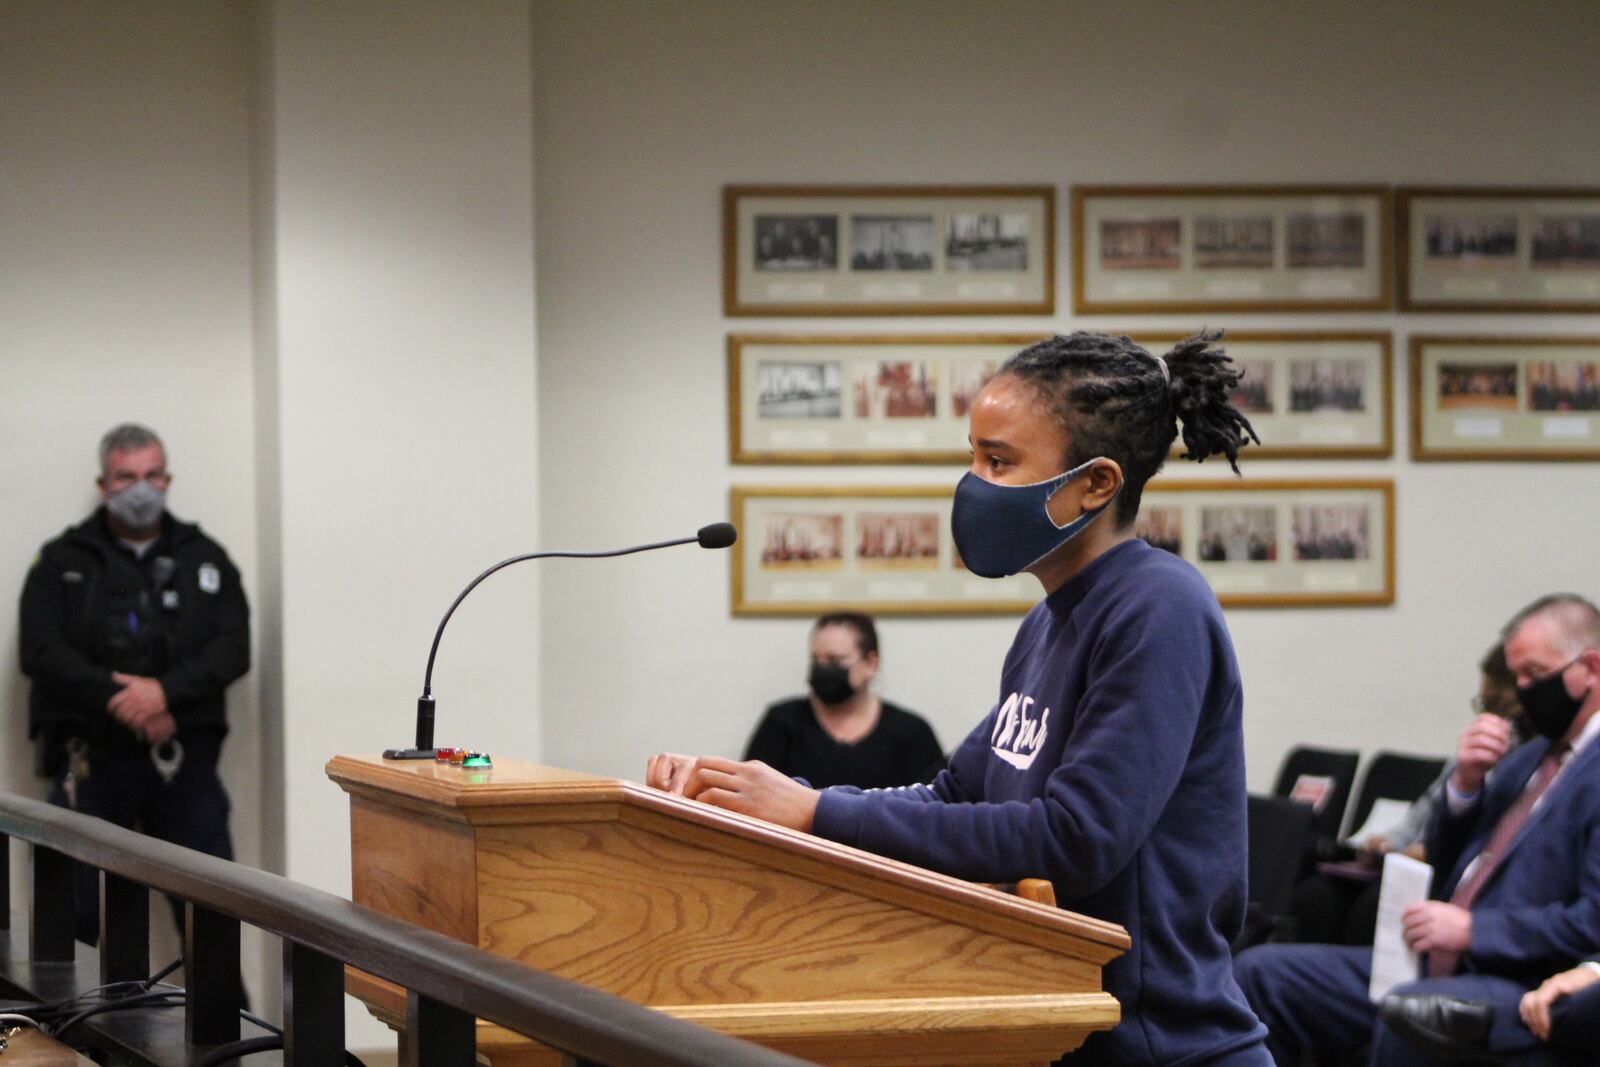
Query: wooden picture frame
{"type": "Point", "coordinates": [824, 533]}
{"type": "Point", "coordinates": [887, 550]}
{"type": "Point", "coordinates": [1276, 543]}
{"type": "Point", "coordinates": [1500, 398]}
{"type": "Point", "coordinates": [888, 250]}
{"type": "Point", "coordinates": [839, 399]}
{"type": "Point", "coordinates": [1328, 393]}
{"type": "Point", "coordinates": [858, 398]}
{"type": "Point", "coordinates": [1140, 249]}
{"type": "Point", "coordinates": [1522, 249]}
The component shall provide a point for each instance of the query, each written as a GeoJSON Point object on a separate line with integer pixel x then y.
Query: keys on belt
{"type": "Point", "coordinates": [77, 769]}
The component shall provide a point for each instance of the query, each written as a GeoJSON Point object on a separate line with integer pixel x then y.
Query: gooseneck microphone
{"type": "Point", "coordinates": [716, 535]}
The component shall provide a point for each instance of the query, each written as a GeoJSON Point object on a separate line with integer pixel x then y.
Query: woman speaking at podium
{"type": "Point", "coordinates": [1113, 761]}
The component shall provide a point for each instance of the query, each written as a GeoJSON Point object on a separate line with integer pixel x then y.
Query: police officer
{"type": "Point", "coordinates": [133, 625]}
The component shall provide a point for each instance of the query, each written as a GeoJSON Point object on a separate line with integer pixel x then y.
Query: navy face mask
{"type": "Point", "coordinates": [1001, 530]}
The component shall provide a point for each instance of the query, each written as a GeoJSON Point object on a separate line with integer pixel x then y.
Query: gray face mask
{"type": "Point", "coordinates": [138, 507]}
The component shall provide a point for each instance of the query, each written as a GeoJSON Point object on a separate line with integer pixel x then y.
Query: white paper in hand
{"type": "Point", "coordinates": [1405, 882]}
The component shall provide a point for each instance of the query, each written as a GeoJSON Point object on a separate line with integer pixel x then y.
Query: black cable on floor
{"type": "Point", "coordinates": [249, 1046]}
{"type": "Point", "coordinates": [224, 1053]}
{"type": "Point", "coordinates": [155, 1000]}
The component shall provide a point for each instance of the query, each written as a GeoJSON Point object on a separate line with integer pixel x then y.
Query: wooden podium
{"type": "Point", "coordinates": [819, 950]}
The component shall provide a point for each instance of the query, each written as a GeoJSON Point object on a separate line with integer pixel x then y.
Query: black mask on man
{"type": "Point", "coordinates": [830, 682]}
{"type": "Point", "coordinates": [1547, 705]}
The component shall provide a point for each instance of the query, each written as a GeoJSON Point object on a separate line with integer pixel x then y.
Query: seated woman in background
{"type": "Point", "coordinates": [841, 733]}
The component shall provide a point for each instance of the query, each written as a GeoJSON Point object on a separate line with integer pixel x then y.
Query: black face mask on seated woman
{"type": "Point", "coordinates": [830, 682]}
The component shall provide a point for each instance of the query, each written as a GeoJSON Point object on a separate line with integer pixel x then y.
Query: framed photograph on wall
{"type": "Point", "coordinates": [888, 250]}
{"type": "Point", "coordinates": [1465, 249]}
{"type": "Point", "coordinates": [905, 398]}
{"type": "Point", "coordinates": [1167, 248]}
{"type": "Point", "coordinates": [1505, 398]}
{"type": "Point", "coordinates": [1264, 543]}
{"type": "Point", "coordinates": [887, 550]}
{"type": "Point", "coordinates": [1309, 395]}
{"type": "Point", "coordinates": [882, 398]}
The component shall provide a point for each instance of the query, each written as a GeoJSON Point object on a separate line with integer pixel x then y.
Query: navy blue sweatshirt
{"type": "Point", "coordinates": [1113, 766]}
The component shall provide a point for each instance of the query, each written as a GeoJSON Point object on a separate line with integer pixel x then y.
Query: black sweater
{"type": "Point", "coordinates": [900, 750]}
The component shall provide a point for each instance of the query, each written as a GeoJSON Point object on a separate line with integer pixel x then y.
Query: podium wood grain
{"type": "Point", "coordinates": [820, 950]}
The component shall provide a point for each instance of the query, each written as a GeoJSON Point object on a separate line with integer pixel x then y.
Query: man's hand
{"type": "Point", "coordinates": [1434, 925]}
{"type": "Point", "coordinates": [1482, 745]}
{"type": "Point", "coordinates": [160, 728]}
{"type": "Point", "coordinates": [752, 788]}
{"type": "Point", "coordinates": [1535, 1006]}
{"type": "Point", "coordinates": [140, 701]}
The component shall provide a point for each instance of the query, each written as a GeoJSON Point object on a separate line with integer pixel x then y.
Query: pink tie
{"type": "Point", "coordinates": [1442, 963]}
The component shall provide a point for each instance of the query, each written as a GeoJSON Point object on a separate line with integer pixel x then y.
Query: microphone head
{"type": "Point", "coordinates": [717, 535]}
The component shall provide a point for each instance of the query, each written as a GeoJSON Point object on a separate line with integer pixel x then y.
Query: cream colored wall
{"type": "Point", "coordinates": [296, 238]}
{"type": "Point", "coordinates": [400, 334]}
{"type": "Point", "coordinates": [645, 111]}
{"type": "Point", "coordinates": [125, 295]}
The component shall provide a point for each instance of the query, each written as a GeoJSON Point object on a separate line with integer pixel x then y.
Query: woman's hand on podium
{"type": "Point", "coordinates": [669, 771]}
{"type": "Point", "coordinates": [750, 788]}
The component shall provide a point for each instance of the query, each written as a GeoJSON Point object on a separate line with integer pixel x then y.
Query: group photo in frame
{"type": "Point", "coordinates": [887, 550]}
{"type": "Point", "coordinates": [1272, 543]}
{"type": "Point", "coordinates": [858, 398]}
{"type": "Point", "coordinates": [884, 550]}
{"type": "Point", "coordinates": [1309, 394]}
{"type": "Point", "coordinates": [904, 398]}
{"type": "Point", "coordinates": [1499, 249]}
{"type": "Point", "coordinates": [888, 249]}
{"type": "Point", "coordinates": [1505, 398]}
{"type": "Point", "coordinates": [1169, 248]}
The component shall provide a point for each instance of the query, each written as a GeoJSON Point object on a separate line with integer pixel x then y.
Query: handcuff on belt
{"type": "Point", "coordinates": [166, 757]}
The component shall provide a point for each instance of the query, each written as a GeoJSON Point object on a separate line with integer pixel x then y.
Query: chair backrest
{"type": "Point", "coordinates": [1333, 770]}
{"type": "Point", "coordinates": [1280, 832]}
{"type": "Point", "coordinates": [1394, 776]}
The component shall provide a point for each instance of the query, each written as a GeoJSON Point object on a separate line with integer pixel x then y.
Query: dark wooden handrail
{"type": "Point", "coordinates": [586, 1024]}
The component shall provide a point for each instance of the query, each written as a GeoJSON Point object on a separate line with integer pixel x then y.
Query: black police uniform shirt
{"type": "Point", "coordinates": [90, 606]}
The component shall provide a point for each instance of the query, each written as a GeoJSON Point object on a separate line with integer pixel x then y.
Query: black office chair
{"type": "Point", "coordinates": [1280, 833]}
{"type": "Point", "coordinates": [1339, 767]}
{"type": "Point", "coordinates": [1392, 776]}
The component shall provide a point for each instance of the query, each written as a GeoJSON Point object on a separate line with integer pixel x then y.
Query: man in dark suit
{"type": "Point", "coordinates": [1520, 859]}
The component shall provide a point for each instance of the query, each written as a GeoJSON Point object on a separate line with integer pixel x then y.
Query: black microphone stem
{"type": "Point", "coordinates": [427, 678]}
{"type": "Point", "coordinates": [716, 535]}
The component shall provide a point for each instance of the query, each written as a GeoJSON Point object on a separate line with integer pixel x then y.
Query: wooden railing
{"type": "Point", "coordinates": [449, 983]}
